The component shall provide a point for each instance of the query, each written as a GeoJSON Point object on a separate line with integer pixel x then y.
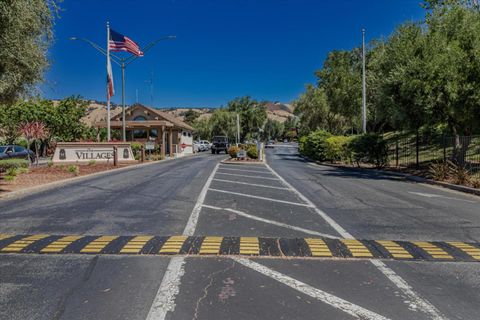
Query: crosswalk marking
{"type": "Point", "coordinates": [97, 245]}
{"type": "Point", "coordinates": [173, 245]}
{"type": "Point", "coordinates": [249, 246]}
{"type": "Point", "coordinates": [136, 244]}
{"type": "Point", "coordinates": [211, 245]}
{"type": "Point", "coordinates": [472, 251]}
{"type": "Point", "coordinates": [433, 250]}
{"type": "Point", "coordinates": [395, 249]}
{"type": "Point", "coordinates": [357, 249]}
{"type": "Point", "coordinates": [21, 244]}
{"type": "Point", "coordinates": [318, 248]}
{"type": "Point", "coordinates": [60, 244]}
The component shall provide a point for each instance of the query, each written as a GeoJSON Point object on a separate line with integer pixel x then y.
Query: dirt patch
{"type": "Point", "coordinates": [42, 175]}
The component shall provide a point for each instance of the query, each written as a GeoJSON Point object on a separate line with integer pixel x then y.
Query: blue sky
{"type": "Point", "coordinates": [268, 49]}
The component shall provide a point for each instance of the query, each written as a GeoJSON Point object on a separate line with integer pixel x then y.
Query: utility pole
{"type": "Point", "coordinates": [364, 86]}
{"type": "Point", "coordinates": [238, 129]}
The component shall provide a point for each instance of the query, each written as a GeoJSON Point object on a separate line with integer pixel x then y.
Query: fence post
{"type": "Point", "coordinates": [417, 150]}
{"type": "Point", "coordinates": [142, 153]}
{"type": "Point", "coordinates": [444, 142]}
{"type": "Point", "coordinates": [396, 153]}
{"type": "Point", "coordinates": [115, 156]}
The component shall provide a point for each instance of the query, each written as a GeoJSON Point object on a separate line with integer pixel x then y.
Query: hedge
{"type": "Point", "coordinates": [314, 144]}
{"type": "Point", "coordinates": [366, 148]}
{"type": "Point", "coordinates": [252, 152]}
{"type": "Point", "coordinates": [13, 164]}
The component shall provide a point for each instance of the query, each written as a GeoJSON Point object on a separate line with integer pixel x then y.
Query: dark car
{"type": "Point", "coordinates": [16, 152]}
{"type": "Point", "coordinates": [219, 143]}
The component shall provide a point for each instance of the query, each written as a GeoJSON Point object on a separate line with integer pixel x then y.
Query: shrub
{"type": "Point", "coordinates": [337, 149]}
{"type": "Point", "coordinates": [11, 172]}
{"type": "Point", "coordinates": [92, 162]}
{"type": "Point", "coordinates": [314, 145]}
{"type": "Point", "coordinates": [22, 142]}
{"type": "Point", "coordinates": [233, 150]}
{"type": "Point", "coordinates": [50, 164]}
{"type": "Point", "coordinates": [13, 163]}
{"type": "Point", "coordinates": [73, 169]}
{"type": "Point", "coordinates": [156, 157]}
{"type": "Point", "coordinates": [439, 171]}
{"type": "Point", "coordinates": [9, 178]}
{"type": "Point", "coordinates": [460, 174]}
{"type": "Point", "coordinates": [23, 170]}
{"type": "Point", "coordinates": [252, 152]}
{"type": "Point", "coordinates": [136, 147]}
{"type": "Point", "coordinates": [476, 183]}
{"type": "Point", "coordinates": [370, 148]}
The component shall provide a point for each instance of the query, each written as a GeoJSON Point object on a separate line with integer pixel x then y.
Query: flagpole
{"type": "Point", "coordinates": [108, 84]}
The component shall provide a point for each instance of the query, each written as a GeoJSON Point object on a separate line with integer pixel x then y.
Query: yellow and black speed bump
{"type": "Point", "coordinates": [244, 246]}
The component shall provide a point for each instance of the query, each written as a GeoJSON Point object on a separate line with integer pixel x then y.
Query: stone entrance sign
{"type": "Point", "coordinates": [84, 152]}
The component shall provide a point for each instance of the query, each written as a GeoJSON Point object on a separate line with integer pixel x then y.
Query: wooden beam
{"type": "Point", "coordinates": [170, 141]}
{"type": "Point", "coordinates": [163, 142]}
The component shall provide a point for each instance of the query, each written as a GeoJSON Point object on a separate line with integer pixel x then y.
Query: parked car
{"type": "Point", "coordinates": [269, 144]}
{"type": "Point", "coordinates": [219, 143]}
{"type": "Point", "coordinates": [16, 152]}
{"type": "Point", "coordinates": [207, 145]}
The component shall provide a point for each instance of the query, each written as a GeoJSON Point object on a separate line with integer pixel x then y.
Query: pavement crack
{"type": "Point", "coordinates": [86, 276]}
{"type": "Point", "coordinates": [207, 287]}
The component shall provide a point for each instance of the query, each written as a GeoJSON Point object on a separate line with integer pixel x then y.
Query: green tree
{"type": "Point", "coordinates": [25, 35]}
{"type": "Point", "coordinates": [340, 78]}
{"type": "Point", "coordinates": [252, 115]}
{"type": "Point", "coordinates": [314, 112]}
{"type": "Point", "coordinates": [223, 123]}
{"type": "Point", "coordinates": [190, 116]}
{"type": "Point", "coordinates": [203, 129]}
{"type": "Point", "coordinates": [273, 129]}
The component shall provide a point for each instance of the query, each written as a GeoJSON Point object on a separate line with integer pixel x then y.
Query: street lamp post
{"type": "Point", "coordinates": [123, 63]}
{"type": "Point", "coordinates": [364, 86]}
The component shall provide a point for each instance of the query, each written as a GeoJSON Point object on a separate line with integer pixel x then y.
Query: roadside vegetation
{"type": "Point", "coordinates": [253, 122]}
{"type": "Point", "coordinates": [422, 92]}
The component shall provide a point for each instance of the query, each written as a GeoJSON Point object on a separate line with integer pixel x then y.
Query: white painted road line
{"type": "Point", "coordinates": [246, 176]}
{"type": "Point", "coordinates": [251, 184]}
{"type": "Point", "coordinates": [414, 299]}
{"type": "Point", "coordinates": [164, 301]}
{"type": "Point", "coordinates": [275, 223]}
{"type": "Point", "coordinates": [431, 195]}
{"type": "Point", "coordinates": [243, 170]}
{"type": "Point", "coordinates": [325, 297]}
{"type": "Point", "coordinates": [261, 198]}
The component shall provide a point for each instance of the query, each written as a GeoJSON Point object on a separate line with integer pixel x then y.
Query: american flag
{"type": "Point", "coordinates": [119, 42]}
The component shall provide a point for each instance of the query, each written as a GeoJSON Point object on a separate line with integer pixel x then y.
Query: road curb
{"type": "Point", "coordinates": [407, 176]}
{"type": "Point", "coordinates": [54, 184]}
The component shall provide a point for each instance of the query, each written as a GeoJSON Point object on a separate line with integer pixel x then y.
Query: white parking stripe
{"type": "Point", "coordinates": [412, 297]}
{"type": "Point", "coordinates": [246, 176]}
{"type": "Point", "coordinates": [325, 297]}
{"type": "Point", "coordinates": [275, 223]}
{"type": "Point", "coordinates": [251, 184]}
{"type": "Point", "coordinates": [243, 170]}
{"type": "Point", "coordinates": [164, 301]}
{"type": "Point", "coordinates": [261, 198]}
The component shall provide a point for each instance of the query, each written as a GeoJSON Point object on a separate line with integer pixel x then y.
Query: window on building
{"type": "Point", "coordinates": [140, 118]}
{"type": "Point", "coordinates": [153, 133]}
{"type": "Point", "coordinates": [139, 134]}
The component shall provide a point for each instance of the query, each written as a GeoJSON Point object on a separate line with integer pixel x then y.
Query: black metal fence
{"type": "Point", "coordinates": [419, 151]}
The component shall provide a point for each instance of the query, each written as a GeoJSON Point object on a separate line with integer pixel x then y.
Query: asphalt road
{"type": "Point", "coordinates": [198, 196]}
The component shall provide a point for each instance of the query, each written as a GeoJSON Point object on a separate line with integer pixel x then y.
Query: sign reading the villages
{"type": "Point", "coordinates": [85, 152]}
{"type": "Point", "coordinates": [242, 154]}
